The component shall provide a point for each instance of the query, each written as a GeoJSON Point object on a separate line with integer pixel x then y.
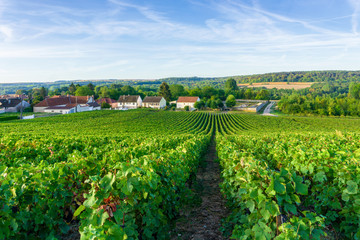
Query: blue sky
{"type": "Point", "coordinates": [48, 40]}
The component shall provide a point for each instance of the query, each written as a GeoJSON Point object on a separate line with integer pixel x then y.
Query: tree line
{"type": "Point", "coordinates": [325, 100]}
{"type": "Point", "coordinates": [211, 97]}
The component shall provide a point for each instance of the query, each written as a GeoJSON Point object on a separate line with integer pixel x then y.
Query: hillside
{"type": "Point", "coordinates": [121, 175]}
{"type": "Point", "coordinates": [303, 76]}
{"type": "Point", "coordinates": [192, 82]}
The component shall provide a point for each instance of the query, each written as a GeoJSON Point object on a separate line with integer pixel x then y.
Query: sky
{"type": "Point", "coordinates": [49, 40]}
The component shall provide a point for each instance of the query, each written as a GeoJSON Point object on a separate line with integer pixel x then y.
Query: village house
{"type": "Point", "coordinates": [105, 100]}
{"type": "Point", "coordinates": [12, 105]}
{"type": "Point", "coordinates": [67, 104]}
{"type": "Point", "coordinates": [128, 102]}
{"type": "Point", "coordinates": [154, 102]}
{"type": "Point", "coordinates": [187, 101]}
{"type": "Point", "coordinates": [22, 96]}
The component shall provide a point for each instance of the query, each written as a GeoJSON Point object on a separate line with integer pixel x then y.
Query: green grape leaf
{"type": "Point", "coordinates": [279, 187]}
{"type": "Point", "coordinates": [352, 187]}
{"type": "Point", "coordinates": [79, 210]}
{"type": "Point", "coordinates": [107, 181]}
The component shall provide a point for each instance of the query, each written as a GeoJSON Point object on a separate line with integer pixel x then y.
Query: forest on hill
{"type": "Point", "coordinates": [195, 82]}
{"type": "Point", "coordinates": [303, 76]}
{"type": "Point", "coordinates": [333, 93]}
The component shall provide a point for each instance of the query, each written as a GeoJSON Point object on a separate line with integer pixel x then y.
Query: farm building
{"type": "Point", "coordinates": [12, 104]}
{"type": "Point", "coordinates": [187, 101]}
{"type": "Point", "coordinates": [154, 102]}
{"type": "Point", "coordinates": [249, 105]}
{"type": "Point", "coordinates": [67, 104]}
{"type": "Point", "coordinates": [128, 102]}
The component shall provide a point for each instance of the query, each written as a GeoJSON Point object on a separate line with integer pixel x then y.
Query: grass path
{"type": "Point", "coordinates": [202, 220]}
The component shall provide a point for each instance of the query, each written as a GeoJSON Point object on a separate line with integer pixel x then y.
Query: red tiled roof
{"type": "Point", "coordinates": [187, 99]}
{"type": "Point", "coordinates": [10, 102]}
{"type": "Point", "coordinates": [107, 100]}
{"type": "Point", "coordinates": [62, 100]}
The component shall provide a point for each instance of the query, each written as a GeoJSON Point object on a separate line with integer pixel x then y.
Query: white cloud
{"type": "Point", "coordinates": [6, 32]}
{"type": "Point", "coordinates": [355, 16]}
{"type": "Point", "coordinates": [236, 39]}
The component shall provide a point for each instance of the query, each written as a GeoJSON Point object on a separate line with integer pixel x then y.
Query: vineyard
{"type": "Point", "coordinates": [125, 175]}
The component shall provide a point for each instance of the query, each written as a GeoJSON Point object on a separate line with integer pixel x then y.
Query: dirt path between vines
{"type": "Point", "coordinates": [202, 220]}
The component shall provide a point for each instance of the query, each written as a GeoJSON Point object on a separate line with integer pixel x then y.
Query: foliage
{"type": "Point", "coordinates": [84, 91]}
{"type": "Point", "coordinates": [199, 105]}
{"type": "Point", "coordinates": [133, 177]}
{"type": "Point", "coordinates": [230, 101]}
{"type": "Point", "coordinates": [309, 76]}
{"type": "Point", "coordinates": [231, 85]}
{"type": "Point", "coordinates": [72, 89]}
{"type": "Point", "coordinates": [355, 90]}
{"type": "Point", "coordinates": [320, 105]}
{"type": "Point", "coordinates": [124, 174]}
{"type": "Point", "coordinates": [177, 90]}
{"type": "Point", "coordinates": [187, 108]}
{"type": "Point", "coordinates": [164, 91]}
{"type": "Point", "coordinates": [105, 105]}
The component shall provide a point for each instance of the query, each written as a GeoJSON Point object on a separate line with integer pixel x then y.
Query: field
{"type": "Point", "coordinates": [279, 85]}
{"type": "Point", "coordinates": [125, 175]}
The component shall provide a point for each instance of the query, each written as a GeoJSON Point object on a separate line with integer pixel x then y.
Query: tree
{"type": "Point", "coordinates": [195, 92]}
{"type": "Point", "coordinates": [213, 104]}
{"type": "Point", "coordinates": [54, 92]}
{"type": "Point", "coordinates": [116, 86]}
{"type": "Point", "coordinates": [248, 93]}
{"type": "Point", "coordinates": [208, 92]}
{"type": "Point", "coordinates": [230, 85]}
{"type": "Point", "coordinates": [262, 95]}
{"type": "Point", "coordinates": [20, 92]}
{"type": "Point", "coordinates": [36, 94]}
{"type": "Point", "coordinates": [128, 90]}
{"type": "Point", "coordinates": [91, 86]}
{"type": "Point", "coordinates": [187, 108]}
{"type": "Point", "coordinates": [355, 90]}
{"type": "Point", "coordinates": [219, 103]}
{"type": "Point", "coordinates": [43, 92]}
{"type": "Point", "coordinates": [114, 94]}
{"type": "Point", "coordinates": [177, 90]}
{"type": "Point", "coordinates": [84, 91]}
{"type": "Point", "coordinates": [164, 91]}
{"type": "Point", "coordinates": [230, 101]}
{"type": "Point", "coordinates": [105, 105]}
{"type": "Point", "coordinates": [199, 105]}
{"type": "Point", "coordinates": [72, 88]}
{"type": "Point", "coordinates": [104, 92]}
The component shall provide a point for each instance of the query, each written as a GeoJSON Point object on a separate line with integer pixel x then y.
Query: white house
{"type": "Point", "coordinates": [187, 101]}
{"type": "Point", "coordinates": [67, 104]}
{"type": "Point", "coordinates": [73, 108]}
{"type": "Point", "coordinates": [128, 102]}
{"type": "Point", "coordinates": [154, 102]}
{"type": "Point", "coordinates": [13, 105]}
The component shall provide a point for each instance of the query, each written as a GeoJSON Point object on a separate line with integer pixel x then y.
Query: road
{"type": "Point", "coordinates": [268, 109]}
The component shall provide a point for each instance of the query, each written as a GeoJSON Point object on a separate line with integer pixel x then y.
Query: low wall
{"type": "Point", "coordinates": [253, 108]}
{"type": "Point", "coordinates": [29, 117]}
